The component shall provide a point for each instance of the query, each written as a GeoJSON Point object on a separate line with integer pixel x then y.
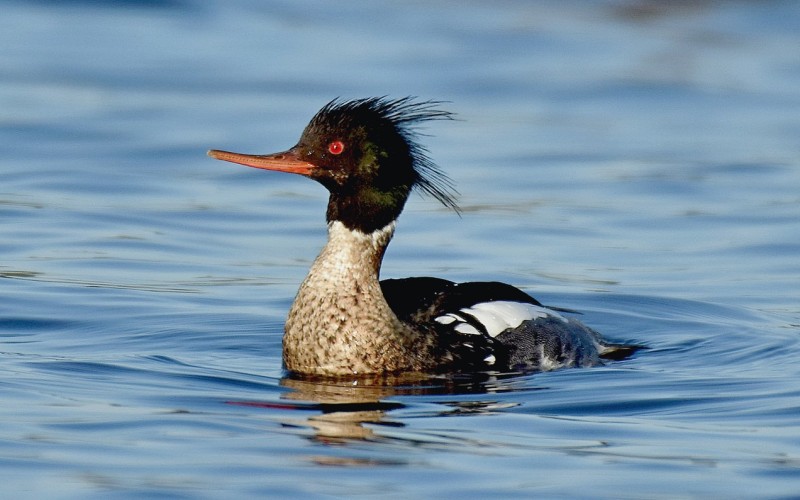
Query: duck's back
{"type": "Point", "coordinates": [495, 326]}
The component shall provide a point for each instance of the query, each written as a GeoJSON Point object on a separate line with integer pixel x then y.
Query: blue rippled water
{"type": "Point", "coordinates": [636, 161]}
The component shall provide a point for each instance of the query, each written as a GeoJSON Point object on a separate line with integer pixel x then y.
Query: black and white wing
{"type": "Point", "coordinates": [495, 326]}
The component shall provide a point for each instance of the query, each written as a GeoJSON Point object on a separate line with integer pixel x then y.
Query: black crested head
{"type": "Point", "coordinates": [365, 152]}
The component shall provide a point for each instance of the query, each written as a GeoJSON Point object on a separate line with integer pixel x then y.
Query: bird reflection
{"type": "Point", "coordinates": [343, 407]}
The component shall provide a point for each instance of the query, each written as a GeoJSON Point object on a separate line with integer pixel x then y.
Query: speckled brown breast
{"type": "Point", "coordinates": [340, 323]}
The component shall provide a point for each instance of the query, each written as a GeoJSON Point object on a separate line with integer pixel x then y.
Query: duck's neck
{"type": "Point", "coordinates": [340, 323]}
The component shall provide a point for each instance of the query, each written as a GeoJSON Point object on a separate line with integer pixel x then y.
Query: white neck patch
{"type": "Point", "coordinates": [379, 238]}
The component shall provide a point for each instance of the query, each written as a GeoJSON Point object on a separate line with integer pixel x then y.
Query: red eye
{"type": "Point", "coordinates": [336, 147]}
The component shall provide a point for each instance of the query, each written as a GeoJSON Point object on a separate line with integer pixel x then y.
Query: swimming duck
{"type": "Point", "coordinates": [345, 321]}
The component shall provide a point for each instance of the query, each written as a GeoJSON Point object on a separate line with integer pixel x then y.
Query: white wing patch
{"type": "Point", "coordinates": [461, 327]}
{"type": "Point", "coordinates": [449, 318]}
{"type": "Point", "coordinates": [468, 329]}
{"type": "Point", "coordinates": [500, 315]}
{"type": "Point", "coordinates": [497, 316]}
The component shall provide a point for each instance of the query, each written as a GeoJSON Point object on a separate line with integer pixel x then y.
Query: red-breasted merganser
{"type": "Point", "coordinates": [345, 322]}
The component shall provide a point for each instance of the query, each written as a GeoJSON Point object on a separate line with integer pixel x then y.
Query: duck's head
{"type": "Point", "coordinates": [365, 153]}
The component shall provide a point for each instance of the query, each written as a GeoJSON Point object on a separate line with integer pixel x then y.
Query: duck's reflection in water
{"type": "Point", "coordinates": [343, 407]}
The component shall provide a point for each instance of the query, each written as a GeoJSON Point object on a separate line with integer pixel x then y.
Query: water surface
{"type": "Point", "coordinates": [632, 161]}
